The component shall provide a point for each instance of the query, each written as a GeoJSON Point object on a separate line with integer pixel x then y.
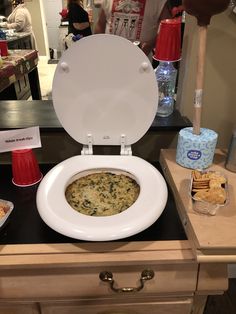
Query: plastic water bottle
{"type": "Point", "coordinates": [166, 80]}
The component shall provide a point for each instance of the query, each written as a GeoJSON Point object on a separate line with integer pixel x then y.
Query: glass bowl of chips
{"type": "Point", "coordinates": [209, 191]}
{"type": "Point", "coordinates": [6, 208]}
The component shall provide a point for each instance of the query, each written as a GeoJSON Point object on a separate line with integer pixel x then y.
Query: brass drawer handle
{"type": "Point", "coordinates": [107, 276]}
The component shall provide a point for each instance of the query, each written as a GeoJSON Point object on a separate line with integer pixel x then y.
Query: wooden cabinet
{"type": "Point", "coordinates": [65, 278]}
{"type": "Point", "coordinates": [103, 306]}
{"type": "Point", "coordinates": [83, 282]}
{"type": "Point", "coordinates": [132, 306]}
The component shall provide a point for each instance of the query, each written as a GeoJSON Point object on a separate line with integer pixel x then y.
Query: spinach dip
{"type": "Point", "coordinates": [102, 194]}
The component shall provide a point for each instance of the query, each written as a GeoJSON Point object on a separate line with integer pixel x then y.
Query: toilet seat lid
{"type": "Point", "coordinates": [104, 87]}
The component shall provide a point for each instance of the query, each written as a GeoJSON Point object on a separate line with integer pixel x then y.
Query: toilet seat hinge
{"type": "Point", "coordinates": [88, 148]}
{"type": "Point", "coordinates": [125, 149]}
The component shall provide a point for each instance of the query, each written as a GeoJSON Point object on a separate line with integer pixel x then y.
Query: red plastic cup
{"type": "Point", "coordinates": [25, 168]}
{"type": "Point", "coordinates": [168, 44]}
{"type": "Point", "coordinates": [3, 48]}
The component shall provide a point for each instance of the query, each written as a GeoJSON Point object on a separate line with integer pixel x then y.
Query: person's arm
{"type": "Point", "coordinates": [165, 14]}
{"type": "Point", "coordinates": [81, 26]}
{"type": "Point", "coordinates": [19, 22]}
{"type": "Point", "coordinates": [101, 23]}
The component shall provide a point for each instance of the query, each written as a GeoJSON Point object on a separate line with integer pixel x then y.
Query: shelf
{"type": "Point", "coordinates": [22, 114]}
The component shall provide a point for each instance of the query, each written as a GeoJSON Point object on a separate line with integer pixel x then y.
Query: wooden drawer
{"type": "Point", "coordinates": [85, 282]}
{"type": "Point", "coordinates": [19, 308]}
{"type": "Point", "coordinates": [173, 306]}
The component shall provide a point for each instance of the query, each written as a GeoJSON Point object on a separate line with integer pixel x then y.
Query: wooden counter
{"type": "Point", "coordinates": [213, 238]}
{"type": "Point", "coordinates": [63, 278]}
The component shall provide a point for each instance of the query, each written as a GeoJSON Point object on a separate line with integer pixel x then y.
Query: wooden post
{"type": "Point", "coordinates": [200, 79]}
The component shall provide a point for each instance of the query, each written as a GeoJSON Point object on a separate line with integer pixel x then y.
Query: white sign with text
{"type": "Point", "coordinates": [20, 139]}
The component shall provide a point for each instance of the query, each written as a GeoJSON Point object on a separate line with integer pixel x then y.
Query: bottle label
{"type": "Point", "coordinates": [198, 98]}
{"type": "Point", "coordinates": [194, 154]}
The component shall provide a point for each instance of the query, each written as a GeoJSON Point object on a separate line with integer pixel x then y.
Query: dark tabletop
{"type": "Point", "coordinates": [15, 114]}
{"type": "Point", "coordinates": [24, 225]}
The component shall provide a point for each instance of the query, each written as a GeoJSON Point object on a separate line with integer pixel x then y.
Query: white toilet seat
{"type": "Point", "coordinates": [57, 213]}
{"type": "Point", "coordinates": [109, 100]}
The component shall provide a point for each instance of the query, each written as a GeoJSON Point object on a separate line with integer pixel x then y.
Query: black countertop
{"type": "Point", "coordinates": [24, 225]}
{"type": "Point", "coordinates": [15, 114]}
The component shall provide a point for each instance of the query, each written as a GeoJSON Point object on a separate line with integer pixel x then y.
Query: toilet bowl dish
{"type": "Point", "coordinates": [111, 100]}
{"type": "Point", "coordinates": [61, 217]}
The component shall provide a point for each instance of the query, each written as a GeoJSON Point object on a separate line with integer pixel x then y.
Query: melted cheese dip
{"type": "Point", "coordinates": [102, 194]}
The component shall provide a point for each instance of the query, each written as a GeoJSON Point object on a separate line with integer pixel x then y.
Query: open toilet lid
{"type": "Point", "coordinates": [104, 87]}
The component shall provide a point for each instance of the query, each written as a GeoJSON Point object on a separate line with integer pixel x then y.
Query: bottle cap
{"type": "Point", "coordinates": [168, 44]}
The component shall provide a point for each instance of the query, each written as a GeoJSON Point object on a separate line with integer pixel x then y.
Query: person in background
{"type": "Point", "coordinates": [20, 20]}
{"type": "Point", "coordinates": [5, 7]}
{"type": "Point", "coordinates": [176, 7]}
{"type": "Point", "coordinates": [78, 19]}
{"type": "Point", "coordinates": [136, 20]}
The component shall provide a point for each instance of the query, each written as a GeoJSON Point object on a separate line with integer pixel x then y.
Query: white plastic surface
{"type": "Point", "coordinates": [104, 92]}
{"type": "Point", "coordinates": [105, 86]}
{"type": "Point", "coordinates": [60, 216]}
